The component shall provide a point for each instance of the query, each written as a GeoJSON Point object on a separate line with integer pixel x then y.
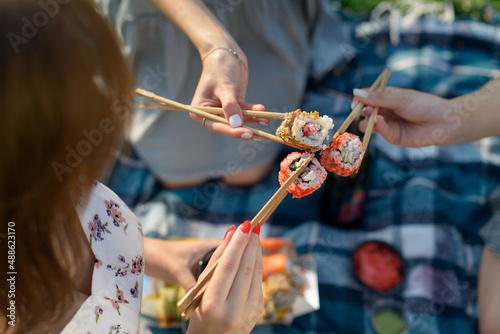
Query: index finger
{"type": "Point", "coordinates": [225, 273]}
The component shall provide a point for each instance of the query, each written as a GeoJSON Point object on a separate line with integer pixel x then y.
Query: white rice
{"type": "Point", "coordinates": [316, 139]}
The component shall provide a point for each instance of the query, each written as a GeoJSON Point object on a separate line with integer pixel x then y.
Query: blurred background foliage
{"type": "Point", "coordinates": [483, 10]}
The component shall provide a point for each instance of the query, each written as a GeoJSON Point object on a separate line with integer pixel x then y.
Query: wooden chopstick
{"type": "Point", "coordinates": [371, 120]}
{"type": "Point", "coordinates": [213, 110]}
{"type": "Point", "coordinates": [192, 299]}
{"type": "Point", "coordinates": [197, 299]}
{"type": "Point", "coordinates": [215, 118]}
{"type": "Point", "coordinates": [359, 106]}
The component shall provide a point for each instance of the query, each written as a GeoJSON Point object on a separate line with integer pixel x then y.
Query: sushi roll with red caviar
{"type": "Point", "coordinates": [311, 179]}
{"type": "Point", "coordinates": [305, 130]}
{"type": "Point", "coordinates": [344, 155]}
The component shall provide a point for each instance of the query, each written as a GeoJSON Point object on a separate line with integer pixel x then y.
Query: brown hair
{"type": "Point", "coordinates": [65, 90]}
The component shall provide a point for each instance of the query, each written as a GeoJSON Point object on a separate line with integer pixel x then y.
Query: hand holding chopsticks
{"type": "Point", "coordinates": [371, 120]}
{"type": "Point", "coordinates": [192, 299]}
{"type": "Point", "coordinates": [205, 114]}
{"type": "Point", "coordinates": [359, 106]}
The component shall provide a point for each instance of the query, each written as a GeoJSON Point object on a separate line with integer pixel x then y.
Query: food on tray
{"type": "Point", "coordinates": [288, 279]}
{"type": "Point", "coordinates": [344, 155]}
{"type": "Point", "coordinates": [378, 265]}
{"type": "Point", "coordinates": [307, 131]}
{"type": "Point", "coordinates": [274, 245]}
{"type": "Point", "coordinates": [280, 290]}
{"type": "Point", "coordinates": [274, 264]}
{"type": "Point", "coordinates": [310, 180]}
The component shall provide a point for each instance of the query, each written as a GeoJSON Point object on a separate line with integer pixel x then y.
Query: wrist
{"type": "Point", "coordinates": [464, 125]}
{"type": "Point", "coordinates": [153, 250]}
{"type": "Point", "coordinates": [239, 56]}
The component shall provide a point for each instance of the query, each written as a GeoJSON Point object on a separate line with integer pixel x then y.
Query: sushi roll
{"type": "Point", "coordinates": [311, 179]}
{"type": "Point", "coordinates": [344, 155]}
{"type": "Point", "coordinates": [307, 131]}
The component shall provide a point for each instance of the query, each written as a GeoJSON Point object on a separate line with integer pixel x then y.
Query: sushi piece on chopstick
{"type": "Point", "coordinates": [306, 130]}
{"type": "Point", "coordinates": [345, 151]}
{"type": "Point", "coordinates": [311, 179]}
{"type": "Point", "coordinates": [344, 155]}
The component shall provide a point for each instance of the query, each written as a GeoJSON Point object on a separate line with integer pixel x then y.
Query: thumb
{"type": "Point", "coordinates": [232, 109]}
{"type": "Point", "coordinates": [391, 133]}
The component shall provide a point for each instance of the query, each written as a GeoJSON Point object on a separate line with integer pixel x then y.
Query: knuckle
{"type": "Point", "coordinates": [211, 310]}
{"type": "Point", "coordinates": [247, 270]}
{"type": "Point", "coordinates": [226, 266]}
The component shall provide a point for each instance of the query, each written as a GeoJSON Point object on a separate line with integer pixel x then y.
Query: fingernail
{"type": "Point", "coordinates": [246, 136]}
{"type": "Point", "coordinates": [363, 111]}
{"type": "Point", "coordinates": [360, 92]}
{"type": "Point", "coordinates": [245, 227]}
{"type": "Point", "coordinates": [256, 229]}
{"type": "Point", "coordinates": [376, 119]}
{"type": "Point", "coordinates": [231, 228]}
{"type": "Point", "coordinates": [262, 122]}
{"type": "Point", "coordinates": [235, 120]}
{"type": "Point", "coordinates": [353, 104]}
{"type": "Point", "coordinates": [257, 138]}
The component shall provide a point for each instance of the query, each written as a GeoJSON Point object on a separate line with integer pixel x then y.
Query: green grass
{"type": "Point", "coordinates": [473, 8]}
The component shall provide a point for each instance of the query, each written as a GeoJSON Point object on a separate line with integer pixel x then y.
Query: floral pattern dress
{"type": "Point", "coordinates": [115, 236]}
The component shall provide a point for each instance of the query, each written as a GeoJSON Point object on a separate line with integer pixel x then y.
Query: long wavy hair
{"type": "Point", "coordinates": [65, 89]}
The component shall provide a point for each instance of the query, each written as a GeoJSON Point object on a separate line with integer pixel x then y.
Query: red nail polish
{"type": "Point", "coordinates": [245, 227]}
{"type": "Point", "coordinates": [256, 229]}
{"type": "Point", "coordinates": [231, 228]}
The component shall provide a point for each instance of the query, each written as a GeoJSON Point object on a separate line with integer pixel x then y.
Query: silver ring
{"type": "Point", "coordinates": [203, 122]}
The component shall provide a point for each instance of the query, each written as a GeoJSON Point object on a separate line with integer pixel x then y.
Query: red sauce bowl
{"type": "Point", "coordinates": [378, 266]}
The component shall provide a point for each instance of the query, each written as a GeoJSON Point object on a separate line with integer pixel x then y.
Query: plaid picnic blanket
{"type": "Point", "coordinates": [429, 203]}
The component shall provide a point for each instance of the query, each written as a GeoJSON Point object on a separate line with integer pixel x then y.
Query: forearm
{"type": "Point", "coordinates": [489, 292]}
{"type": "Point", "coordinates": [477, 115]}
{"type": "Point", "coordinates": [198, 23]}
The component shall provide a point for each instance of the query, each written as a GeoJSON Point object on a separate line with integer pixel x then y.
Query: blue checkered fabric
{"type": "Point", "coordinates": [429, 203]}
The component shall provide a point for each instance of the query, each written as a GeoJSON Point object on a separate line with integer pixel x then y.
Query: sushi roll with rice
{"type": "Point", "coordinates": [307, 131]}
{"type": "Point", "coordinates": [344, 155]}
{"type": "Point", "coordinates": [311, 179]}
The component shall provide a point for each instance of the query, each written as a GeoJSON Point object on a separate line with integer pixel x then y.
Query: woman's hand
{"type": "Point", "coordinates": [173, 261]}
{"type": "Point", "coordinates": [233, 301]}
{"type": "Point", "coordinates": [223, 83]}
{"type": "Point", "coordinates": [411, 118]}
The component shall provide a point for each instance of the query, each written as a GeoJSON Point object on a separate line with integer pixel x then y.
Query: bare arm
{"type": "Point", "coordinates": [224, 79]}
{"type": "Point", "coordinates": [489, 292]}
{"type": "Point", "coordinates": [172, 261]}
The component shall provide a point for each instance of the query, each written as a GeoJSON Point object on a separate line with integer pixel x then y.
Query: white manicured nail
{"type": "Point", "coordinates": [360, 92]}
{"type": "Point", "coordinates": [257, 138]}
{"type": "Point", "coordinates": [353, 104]}
{"type": "Point", "coordinates": [235, 120]}
{"type": "Point", "coordinates": [262, 123]}
{"type": "Point", "coordinates": [246, 136]}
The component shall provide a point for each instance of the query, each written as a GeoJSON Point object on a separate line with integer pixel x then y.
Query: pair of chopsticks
{"type": "Point", "coordinates": [207, 113]}
{"type": "Point", "coordinates": [212, 110]}
{"type": "Point", "coordinates": [193, 298]}
{"type": "Point", "coordinates": [380, 83]}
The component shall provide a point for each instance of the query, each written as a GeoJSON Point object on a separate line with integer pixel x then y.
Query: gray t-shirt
{"type": "Point", "coordinates": [278, 37]}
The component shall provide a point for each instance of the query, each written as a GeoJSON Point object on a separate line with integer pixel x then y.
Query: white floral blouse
{"type": "Point", "coordinates": [115, 236]}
